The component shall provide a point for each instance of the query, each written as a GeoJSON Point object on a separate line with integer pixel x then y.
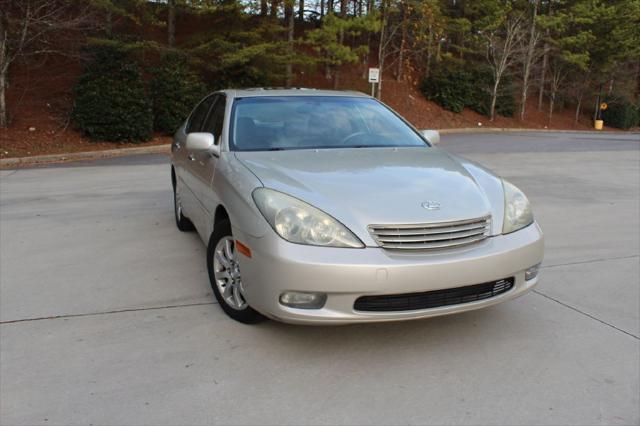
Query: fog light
{"type": "Point", "coordinates": [532, 272]}
{"type": "Point", "coordinates": [295, 299]}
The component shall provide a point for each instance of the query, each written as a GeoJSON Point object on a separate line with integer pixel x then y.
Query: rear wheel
{"type": "Point", "coordinates": [182, 222]}
{"type": "Point", "coordinates": [224, 274]}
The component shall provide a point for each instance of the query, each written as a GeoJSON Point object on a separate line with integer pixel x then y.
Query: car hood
{"type": "Point", "coordinates": [364, 186]}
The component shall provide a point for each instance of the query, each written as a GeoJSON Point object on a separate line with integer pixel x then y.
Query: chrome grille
{"type": "Point", "coordinates": [427, 236]}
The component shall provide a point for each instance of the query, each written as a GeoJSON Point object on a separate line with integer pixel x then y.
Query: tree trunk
{"type": "Point", "coordinates": [290, 23]}
{"type": "Point", "coordinates": [301, 10]}
{"type": "Point", "coordinates": [321, 9]}
{"type": "Point", "coordinates": [4, 67]}
{"type": "Point", "coordinates": [578, 108]}
{"type": "Point", "coordinates": [330, 8]}
{"type": "Point", "coordinates": [543, 73]}
{"type": "Point", "coordinates": [365, 57]}
{"type": "Point", "coordinates": [3, 105]}
{"type": "Point", "coordinates": [403, 40]}
{"type": "Point", "coordinates": [596, 109]}
{"type": "Point", "coordinates": [638, 79]}
{"type": "Point", "coordinates": [429, 51]}
{"type": "Point", "coordinates": [171, 23]}
{"type": "Point", "coordinates": [523, 95]}
{"type": "Point", "coordinates": [528, 61]}
{"type": "Point", "coordinates": [336, 72]}
{"type": "Point", "coordinates": [381, 48]}
{"type": "Point", "coordinates": [108, 27]}
{"type": "Point", "coordinates": [264, 8]}
{"type": "Point", "coordinates": [545, 62]}
{"type": "Point", "coordinates": [343, 8]}
{"type": "Point", "coordinates": [274, 9]}
{"type": "Point", "coordinates": [552, 101]}
{"type": "Point", "coordinates": [494, 97]}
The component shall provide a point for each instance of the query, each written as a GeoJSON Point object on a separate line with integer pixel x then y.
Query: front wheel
{"type": "Point", "coordinates": [224, 275]}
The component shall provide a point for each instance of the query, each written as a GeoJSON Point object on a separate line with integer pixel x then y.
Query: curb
{"type": "Point", "coordinates": [509, 129]}
{"type": "Point", "coordinates": [8, 163]}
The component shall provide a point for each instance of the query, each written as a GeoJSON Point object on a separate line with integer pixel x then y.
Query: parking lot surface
{"type": "Point", "coordinates": [107, 315]}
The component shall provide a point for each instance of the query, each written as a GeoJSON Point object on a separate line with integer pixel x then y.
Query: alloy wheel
{"type": "Point", "coordinates": [227, 273]}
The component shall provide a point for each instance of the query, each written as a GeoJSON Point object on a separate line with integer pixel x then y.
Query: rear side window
{"type": "Point", "coordinates": [215, 120]}
{"type": "Point", "coordinates": [200, 113]}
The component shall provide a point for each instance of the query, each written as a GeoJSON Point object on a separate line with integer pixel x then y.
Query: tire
{"type": "Point", "coordinates": [182, 222]}
{"type": "Point", "coordinates": [224, 275]}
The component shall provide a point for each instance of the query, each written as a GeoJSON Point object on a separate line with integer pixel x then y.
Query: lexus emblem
{"type": "Point", "coordinates": [431, 205]}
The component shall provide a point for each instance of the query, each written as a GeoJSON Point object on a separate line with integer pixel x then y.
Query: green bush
{"type": "Point", "coordinates": [175, 89]}
{"type": "Point", "coordinates": [111, 102]}
{"type": "Point", "coordinates": [454, 88]}
{"type": "Point", "coordinates": [449, 88]}
{"type": "Point", "coordinates": [622, 114]}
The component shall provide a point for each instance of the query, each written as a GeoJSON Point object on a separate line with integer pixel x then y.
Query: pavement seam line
{"type": "Point", "coordinates": [12, 173]}
{"type": "Point", "coordinates": [586, 314]}
{"type": "Point", "coordinates": [90, 314]}
{"type": "Point", "coordinates": [212, 303]}
{"type": "Point", "coordinates": [580, 262]}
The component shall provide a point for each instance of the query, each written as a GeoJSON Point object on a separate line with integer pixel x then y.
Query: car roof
{"type": "Point", "coordinates": [298, 91]}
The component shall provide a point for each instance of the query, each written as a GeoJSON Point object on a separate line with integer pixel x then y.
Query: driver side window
{"type": "Point", "coordinates": [215, 120]}
{"type": "Point", "coordinates": [199, 114]}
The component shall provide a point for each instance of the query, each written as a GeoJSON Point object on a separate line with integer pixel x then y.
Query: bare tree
{"type": "Point", "coordinates": [545, 61]}
{"type": "Point", "coordinates": [388, 32]}
{"type": "Point", "coordinates": [33, 28]}
{"type": "Point", "coordinates": [502, 45]}
{"type": "Point", "coordinates": [530, 56]}
{"type": "Point", "coordinates": [579, 88]}
{"type": "Point", "coordinates": [274, 8]}
{"type": "Point", "coordinates": [557, 74]}
{"type": "Point", "coordinates": [171, 23]}
{"type": "Point", "coordinates": [289, 19]}
{"type": "Point", "coordinates": [403, 38]}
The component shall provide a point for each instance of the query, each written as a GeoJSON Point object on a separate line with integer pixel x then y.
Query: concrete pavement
{"type": "Point", "coordinates": [135, 337]}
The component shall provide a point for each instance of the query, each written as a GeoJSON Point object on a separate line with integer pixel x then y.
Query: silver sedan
{"type": "Point", "coordinates": [324, 207]}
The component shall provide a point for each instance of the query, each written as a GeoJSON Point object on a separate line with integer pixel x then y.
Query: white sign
{"type": "Point", "coordinates": [374, 75]}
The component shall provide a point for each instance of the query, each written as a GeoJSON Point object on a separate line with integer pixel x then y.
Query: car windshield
{"type": "Point", "coordinates": [307, 122]}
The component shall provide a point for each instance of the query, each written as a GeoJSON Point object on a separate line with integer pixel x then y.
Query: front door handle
{"type": "Point", "coordinates": [191, 157]}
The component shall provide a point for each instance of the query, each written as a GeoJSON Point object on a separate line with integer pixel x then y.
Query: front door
{"type": "Point", "coordinates": [203, 165]}
{"type": "Point", "coordinates": [185, 168]}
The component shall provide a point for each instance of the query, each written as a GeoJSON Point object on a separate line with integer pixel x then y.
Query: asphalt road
{"type": "Point", "coordinates": [107, 315]}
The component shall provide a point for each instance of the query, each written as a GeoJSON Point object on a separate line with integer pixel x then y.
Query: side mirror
{"type": "Point", "coordinates": [433, 136]}
{"type": "Point", "coordinates": [202, 142]}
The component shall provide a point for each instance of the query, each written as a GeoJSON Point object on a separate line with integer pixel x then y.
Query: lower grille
{"type": "Point", "coordinates": [433, 299]}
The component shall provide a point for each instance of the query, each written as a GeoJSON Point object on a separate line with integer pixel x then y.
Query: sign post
{"type": "Point", "coordinates": [374, 77]}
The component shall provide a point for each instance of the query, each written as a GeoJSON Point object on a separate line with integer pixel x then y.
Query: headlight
{"type": "Point", "coordinates": [517, 210]}
{"type": "Point", "coordinates": [299, 222]}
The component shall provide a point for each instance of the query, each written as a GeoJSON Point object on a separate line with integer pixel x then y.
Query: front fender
{"type": "Point", "coordinates": [234, 184]}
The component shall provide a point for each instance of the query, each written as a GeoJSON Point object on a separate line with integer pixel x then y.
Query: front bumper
{"type": "Point", "coordinates": [345, 274]}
